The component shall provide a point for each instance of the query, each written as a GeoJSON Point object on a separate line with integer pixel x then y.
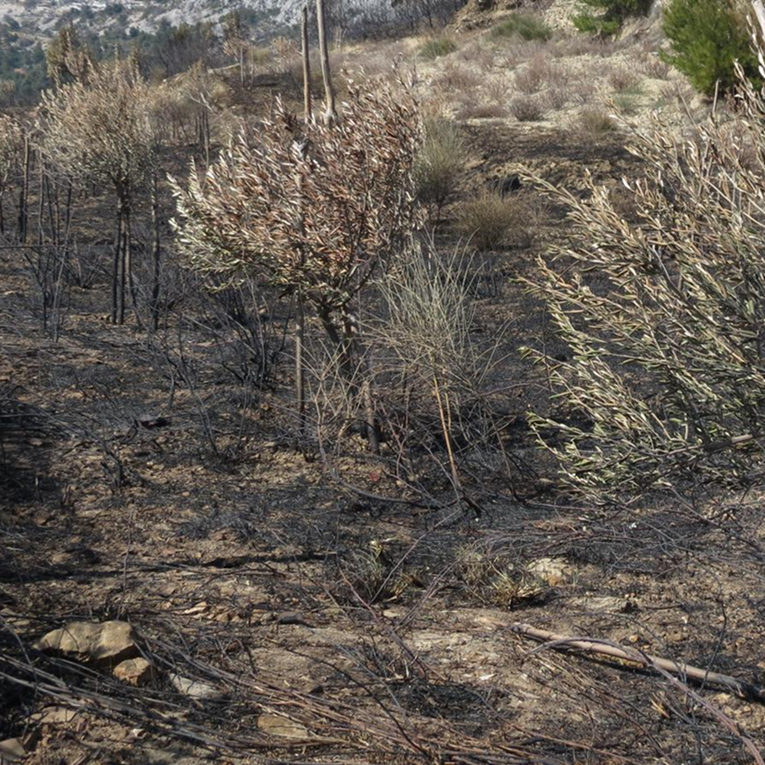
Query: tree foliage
{"type": "Point", "coordinates": [99, 129]}
{"type": "Point", "coordinates": [315, 207]}
{"type": "Point", "coordinates": [706, 37]}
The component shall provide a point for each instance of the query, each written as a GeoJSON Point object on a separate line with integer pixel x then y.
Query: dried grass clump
{"type": "Point", "coordinates": [623, 79]}
{"type": "Point", "coordinates": [558, 98]}
{"type": "Point", "coordinates": [654, 67]}
{"type": "Point", "coordinates": [455, 79]}
{"type": "Point", "coordinates": [528, 108]}
{"type": "Point", "coordinates": [667, 359]}
{"type": "Point", "coordinates": [437, 47]}
{"type": "Point", "coordinates": [535, 75]}
{"type": "Point", "coordinates": [522, 51]}
{"type": "Point", "coordinates": [478, 55]}
{"type": "Point", "coordinates": [440, 163]}
{"type": "Point", "coordinates": [482, 111]}
{"type": "Point", "coordinates": [595, 122]}
{"type": "Point", "coordinates": [492, 222]}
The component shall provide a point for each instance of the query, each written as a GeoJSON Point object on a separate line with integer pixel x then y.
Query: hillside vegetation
{"type": "Point", "coordinates": [382, 385]}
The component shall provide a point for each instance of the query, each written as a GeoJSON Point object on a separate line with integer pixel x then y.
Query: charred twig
{"type": "Point", "coordinates": [741, 688]}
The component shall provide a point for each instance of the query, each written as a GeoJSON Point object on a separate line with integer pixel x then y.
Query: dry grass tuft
{"type": "Point", "coordinates": [596, 122]}
{"type": "Point", "coordinates": [440, 163]}
{"type": "Point", "coordinates": [528, 108]}
{"type": "Point", "coordinates": [437, 47]}
{"type": "Point", "coordinates": [523, 26]}
{"type": "Point", "coordinates": [492, 222]}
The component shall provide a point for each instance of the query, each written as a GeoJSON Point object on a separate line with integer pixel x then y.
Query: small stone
{"type": "Point", "coordinates": [280, 726]}
{"type": "Point", "coordinates": [104, 644]}
{"type": "Point", "coordinates": [195, 689]}
{"type": "Point", "coordinates": [152, 421]}
{"type": "Point", "coordinates": [11, 750]}
{"type": "Point", "coordinates": [138, 672]}
{"type": "Point", "coordinates": [550, 570]}
{"type": "Point", "coordinates": [55, 716]}
{"type": "Point", "coordinates": [604, 604]}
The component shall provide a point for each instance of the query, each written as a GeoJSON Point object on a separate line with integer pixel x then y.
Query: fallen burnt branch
{"type": "Point", "coordinates": [667, 668]}
{"type": "Point", "coordinates": [741, 688]}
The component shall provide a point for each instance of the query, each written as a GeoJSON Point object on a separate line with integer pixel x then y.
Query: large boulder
{"type": "Point", "coordinates": [105, 644]}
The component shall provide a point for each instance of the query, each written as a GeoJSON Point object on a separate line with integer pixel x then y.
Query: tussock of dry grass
{"type": "Point", "coordinates": [492, 222]}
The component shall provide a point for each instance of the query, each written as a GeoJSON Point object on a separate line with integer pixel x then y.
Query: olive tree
{"type": "Point", "coordinates": [665, 379]}
{"type": "Point", "coordinates": [316, 205]}
{"type": "Point", "coordinates": [100, 130]}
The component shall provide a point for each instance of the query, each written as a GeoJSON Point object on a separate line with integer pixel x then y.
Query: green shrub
{"type": "Point", "coordinates": [524, 26]}
{"type": "Point", "coordinates": [707, 36]}
{"type": "Point", "coordinates": [437, 47]}
{"type": "Point", "coordinates": [605, 17]}
{"type": "Point", "coordinates": [664, 384]}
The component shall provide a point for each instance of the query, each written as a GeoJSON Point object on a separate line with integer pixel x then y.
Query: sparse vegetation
{"type": "Point", "coordinates": [605, 17]}
{"type": "Point", "coordinates": [437, 47]}
{"type": "Point", "coordinates": [523, 26]}
{"type": "Point", "coordinates": [491, 221]}
{"type": "Point", "coordinates": [440, 164]}
{"type": "Point", "coordinates": [665, 368]}
{"type": "Point", "coordinates": [596, 122]}
{"type": "Point", "coordinates": [527, 108]}
{"type": "Point", "coordinates": [339, 570]}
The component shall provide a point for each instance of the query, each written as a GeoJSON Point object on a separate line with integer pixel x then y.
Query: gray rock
{"type": "Point", "coordinates": [195, 689]}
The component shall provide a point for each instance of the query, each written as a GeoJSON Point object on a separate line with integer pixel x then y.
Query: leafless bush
{"type": "Point", "coordinates": [477, 54]}
{"type": "Point", "coordinates": [497, 89]}
{"type": "Point", "coordinates": [482, 111]}
{"type": "Point", "coordinates": [654, 67]}
{"type": "Point", "coordinates": [557, 98]}
{"type": "Point", "coordinates": [456, 78]}
{"type": "Point", "coordinates": [522, 51]}
{"type": "Point", "coordinates": [621, 78]}
{"type": "Point", "coordinates": [528, 108]}
{"type": "Point", "coordinates": [426, 334]}
{"type": "Point", "coordinates": [666, 351]}
{"type": "Point", "coordinates": [533, 77]}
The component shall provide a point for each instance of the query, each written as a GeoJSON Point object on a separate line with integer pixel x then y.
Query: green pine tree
{"type": "Point", "coordinates": [706, 37]}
